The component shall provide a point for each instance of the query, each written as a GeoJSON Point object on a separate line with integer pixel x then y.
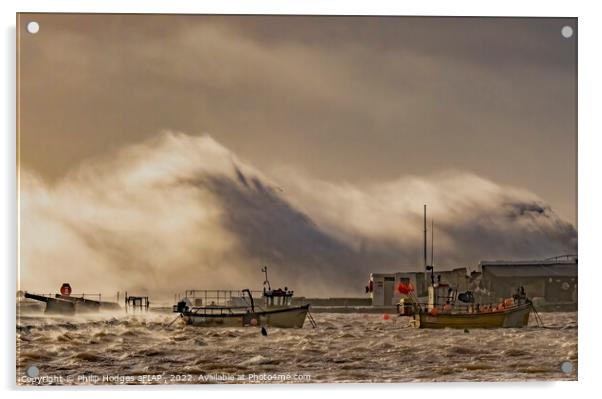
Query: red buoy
{"type": "Point", "coordinates": [405, 289]}
{"type": "Point", "coordinates": [386, 316]}
{"type": "Point", "coordinates": [65, 289]}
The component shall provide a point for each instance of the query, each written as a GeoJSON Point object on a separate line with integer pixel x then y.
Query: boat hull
{"type": "Point", "coordinates": [516, 317]}
{"type": "Point", "coordinates": [292, 317]}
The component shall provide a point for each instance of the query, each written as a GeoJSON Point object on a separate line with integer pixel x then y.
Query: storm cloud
{"type": "Point", "coordinates": [352, 98]}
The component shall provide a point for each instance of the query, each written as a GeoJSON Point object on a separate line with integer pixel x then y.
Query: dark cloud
{"type": "Point", "coordinates": [343, 98]}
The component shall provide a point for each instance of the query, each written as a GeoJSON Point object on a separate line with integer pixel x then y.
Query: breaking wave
{"type": "Point", "coordinates": [180, 211]}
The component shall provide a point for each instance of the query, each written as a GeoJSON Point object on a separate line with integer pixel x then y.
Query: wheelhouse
{"type": "Point", "coordinates": [278, 297]}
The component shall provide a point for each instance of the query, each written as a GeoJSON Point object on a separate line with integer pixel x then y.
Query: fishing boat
{"type": "Point", "coordinates": [451, 313]}
{"type": "Point", "coordinates": [446, 308]}
{"type": "Point", "coordinates": [275, 309]}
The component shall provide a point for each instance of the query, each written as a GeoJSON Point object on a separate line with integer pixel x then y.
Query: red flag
{"type": "Point", "coordinates": [405, 289]}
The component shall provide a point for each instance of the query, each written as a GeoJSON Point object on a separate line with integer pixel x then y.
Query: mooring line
{"type": "Point", "coordinates": [311, 320]}
{"type": "Point", "coordinates": [173, 321]}
{"type": "Point", "coordinates": [537, 317]}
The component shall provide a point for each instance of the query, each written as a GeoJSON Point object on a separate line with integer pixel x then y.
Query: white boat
{"type": "Point", "coordinates": [242, 310]}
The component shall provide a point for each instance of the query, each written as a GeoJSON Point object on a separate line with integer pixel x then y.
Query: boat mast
{"type": "Point", "coordinates": [266, 281]}
{"type": "Point", "coordinates": [425, 260]}
{"type": "Point", "coordinates": [428, 267]}
{"type": "Point", "coordinates": [432, 242]}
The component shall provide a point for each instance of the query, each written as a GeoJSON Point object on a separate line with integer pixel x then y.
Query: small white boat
{"type": "Point", "coordinates": [242, 310]}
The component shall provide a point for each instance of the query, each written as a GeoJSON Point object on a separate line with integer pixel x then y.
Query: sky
{"type": "Point", "coordinates": [160, 153]}
{"type": "Point", "coordinates": [344, 99]}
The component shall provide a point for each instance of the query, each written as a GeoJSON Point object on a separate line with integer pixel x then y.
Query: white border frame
{"type": "Point", "coordinates": [590, 129]}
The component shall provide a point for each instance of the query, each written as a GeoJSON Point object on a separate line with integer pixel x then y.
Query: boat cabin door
{"type": "Point", "coordinates": [389, 283]}
{"type": "Point", "coordinates": [439, 295]}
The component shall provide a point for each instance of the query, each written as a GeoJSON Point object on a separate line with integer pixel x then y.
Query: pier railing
{"type": "Point", "coordinates": [96, 297]}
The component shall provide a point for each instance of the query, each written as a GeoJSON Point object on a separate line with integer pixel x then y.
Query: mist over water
{"type": "Point", "coordinates": [180, 212]}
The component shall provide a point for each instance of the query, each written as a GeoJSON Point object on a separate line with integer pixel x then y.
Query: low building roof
{"type": "Point", "coordinates": [382, 275]}
{"type": "Point", "coordinates": [531, 270]}
{"type": "Point", "coordinates": [559, 260]}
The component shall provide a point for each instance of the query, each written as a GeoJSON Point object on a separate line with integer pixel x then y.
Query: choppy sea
{"type": "Point", "coordinates": [141, 349]}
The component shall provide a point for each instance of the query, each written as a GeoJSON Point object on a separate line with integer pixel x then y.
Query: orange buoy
{"type": "Point", "coordinates": [386, 316]}
{"type": "Point", "coordinates": [434, 312]}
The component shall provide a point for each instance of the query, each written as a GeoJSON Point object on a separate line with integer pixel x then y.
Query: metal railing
{"type": "Point", "coordinates": [471, 308]}
{"type": "Point", "coordinates": [96, 297]}
{"type": "Point", "coordinates": [567, 257]}
{"type": "Point", "coordinates": [219, 298]}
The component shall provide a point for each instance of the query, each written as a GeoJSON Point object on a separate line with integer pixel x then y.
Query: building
{"type": "Point", "coordinates": [382, 286]}
{"type": "Point", "coordinates": [551, 281]}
